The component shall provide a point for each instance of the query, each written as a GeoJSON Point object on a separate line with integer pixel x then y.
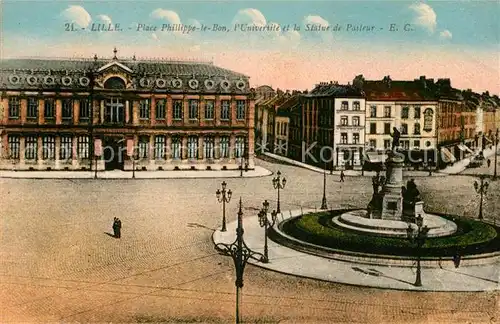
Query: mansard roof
{"type": "Point", "coordinates": [154, 67]}
{"type": "Point", "coordinates": [389, 90]}
{"type": "Point", "coordinates": [334, 90]}
{"type": "Point", "coordinates": [45, 73]}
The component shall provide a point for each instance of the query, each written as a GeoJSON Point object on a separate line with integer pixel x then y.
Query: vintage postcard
{"type": "Point", "coordinates": [249, 161]}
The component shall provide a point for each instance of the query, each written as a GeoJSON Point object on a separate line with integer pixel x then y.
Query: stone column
{"type": "Point", "coordinates": [233, 111]}
{"type": "Point", "coordinates": [22, 150]}
{"type": "Point", "coordinates": [76, 111]}
{"type": "Point", "coordinates": [152, 158]}
{"type": "Point", "coordinates": [39, 153]}
{"type": "Point", "coordinates": [5, 146]}
{"type": "Point", "coordinates": [200, 147]}
{"type": "Point", "coordinates": [24, 110]}
{"type": "Point", "coordinates": [185, 104]}
{"type": "Point", "coordinates": [127, 111]}
{"type": "Point", "coordinates": [201, 112]}
{"type": "Point", "coordinates": [153, 110]}
{"type": "Point", "coordinates": [217, 147]}
{"type": "Point", "coordinates": [101, 109]}
{"type": "Point", "coordinates": [184, 147]}
{"type": "Point", "coordinates": [5, 107]}
{"type": "Point", "coordinates": [74, 153]}
{"type": "Point", "coordinates": [41, 111]}
{"type": "Point", "coordinates": [169, 110]}
{"type": "Point", "coordinates": [95, 111]}
{"type": "Point", "coordinates": [217, 111]}
{"type": "Point", "coordinates": [232, 144]}
{"type": "Point", "coordinates": [168, 148]}
{"type": "Point", "coordinates": [58, 111]}
{"type": "Point", "coordinates": [57, 151]}
{"type": "Point", "coordinates": [135, 112]}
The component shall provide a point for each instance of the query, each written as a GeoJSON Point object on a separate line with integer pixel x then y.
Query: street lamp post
{"type": "Point", "coordinates": [496, 155]}
{"type": "Point", "coordinates": [279, 184]}
{"type": "Point", "coordinates": [323, 201]}
{"type": "Point", "coordinates": [418, 236]}
{"type": "Point", "coordinates": [481, 188]}
{"type": "Point", "coordinates": [223, 197]}
{"type": "Point", "coordinates": [240, 253]}
{"type": "Point", "coordinates": [264, 222]}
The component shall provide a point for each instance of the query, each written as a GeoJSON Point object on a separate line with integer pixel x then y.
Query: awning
{"type": "Point", "coordinates": [462, 147]}
{"type": "Point", "coordinates": [374, 157]}
{"type": "Point", "coordinates": [468, 149]}
{"type": "Point", "coordinates": [447, 156]}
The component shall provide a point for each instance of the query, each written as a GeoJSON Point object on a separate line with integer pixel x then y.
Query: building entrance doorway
{"type": "Point", "coordinates": [113, 153]}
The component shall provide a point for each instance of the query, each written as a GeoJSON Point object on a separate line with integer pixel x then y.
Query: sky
{"type": "Point", "coordinates": [276, 43]}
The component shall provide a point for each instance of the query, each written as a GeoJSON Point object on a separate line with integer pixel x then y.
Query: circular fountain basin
{"type": "Point", "coordinates": [356, 220]}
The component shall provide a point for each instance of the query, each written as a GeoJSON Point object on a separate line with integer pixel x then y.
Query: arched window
{"type": "Point", "coordinates": [428, 116]}
{"type": "Point", "coordinates": [114, 83]}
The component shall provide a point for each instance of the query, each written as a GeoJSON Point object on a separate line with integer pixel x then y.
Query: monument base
{"type": "Point", "coordinates": [358, 221]}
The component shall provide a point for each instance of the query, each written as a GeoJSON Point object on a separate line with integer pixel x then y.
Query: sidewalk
{"type": "Point", "coordinates": [289, 261]}
{"type": "Point", "coordinates": [348, 172]}
{"type": "Point", "coordinates": [461, 165]}
{"type": "Point", "coordinates": [117, 174]}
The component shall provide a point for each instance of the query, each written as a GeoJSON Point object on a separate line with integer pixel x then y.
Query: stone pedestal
{"type": "Point", "coordinates": [392, 202]}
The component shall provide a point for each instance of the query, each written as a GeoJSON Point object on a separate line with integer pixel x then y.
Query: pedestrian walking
{"type": "Point", "coordinates": [488, 162]}
{"type": "Point", "coordinates": [342, 176]}
{"type": "Point", "coordinates": [456, 259]}
{"type": "Point", "coordinates": [119, 228]}
{"type": "Point", "coordinates": [115, 227]}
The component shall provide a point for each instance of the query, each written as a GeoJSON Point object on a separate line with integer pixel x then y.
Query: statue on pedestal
{"type": "Point", "coordinates": [411, 198]}
{"type": "Point", "coordinates": [395, 138]}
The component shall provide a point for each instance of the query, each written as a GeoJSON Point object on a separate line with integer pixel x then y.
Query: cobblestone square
{"type": "Point", "coordinates": [58, 262]}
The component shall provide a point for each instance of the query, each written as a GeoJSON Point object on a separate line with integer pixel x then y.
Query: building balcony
{"type": "Point", "coordinates": [351, 126]}
{"type": "Point", "coordinates": [350, 144]}
{"type": "Point", "coordinates": [350, 111]}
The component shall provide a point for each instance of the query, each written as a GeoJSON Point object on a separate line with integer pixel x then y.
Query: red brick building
{"type": "Point", "coordinates": [59, 114]}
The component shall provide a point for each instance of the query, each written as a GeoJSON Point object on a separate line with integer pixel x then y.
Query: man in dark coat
{"type": "Point", "coordinates": [115, 227]}
{"type": "Point", "coordinates": [119, 228]}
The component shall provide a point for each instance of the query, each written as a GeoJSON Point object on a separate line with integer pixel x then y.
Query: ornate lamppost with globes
{"type": "Point", "coordinates": [481, 188]}
{"type": "Point", "coordinates": [418, 236]}
{"type": "Point", "coordinates": [279, 184]}
{"type": "Point", "coordinates": [266, 223]}
{"type": "Point", "coordinates": [240, 253]}
{"type": "Point", "coordinates": [223, 197]}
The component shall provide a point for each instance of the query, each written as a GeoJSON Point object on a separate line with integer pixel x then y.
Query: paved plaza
{"type": "Point", "coordinates": [485, 277]}
{"type": "Point", "coordinates": [59, 263]}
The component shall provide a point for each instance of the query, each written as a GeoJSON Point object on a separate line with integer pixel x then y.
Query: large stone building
{"type": "Point", "coordinates": [59, 114]}
{"type": "Point", "coordinates": [327, 127]}
{"type": "Point", "coordinates": [407, 106]}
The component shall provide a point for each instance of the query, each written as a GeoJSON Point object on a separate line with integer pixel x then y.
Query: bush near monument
{"type": "Point", "coordinates": [472, 237]}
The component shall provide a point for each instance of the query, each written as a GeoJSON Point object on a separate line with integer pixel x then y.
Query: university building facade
{"type": "Point", "coordinates": [123, 114]}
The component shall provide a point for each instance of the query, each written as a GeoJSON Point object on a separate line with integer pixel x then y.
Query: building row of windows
{"type": "Point", "coordinates": [115, 109]}
{"type": "Point", "coordinates": [143, 147]}
{"type": "Point", "coordinates": [193, 109]}
{"type": "Point", "coordinates": [344, 121]}
{"type": "Point", "coordinates": [344, 139]}
{"type": "Point", "coordinates": [404, 144]}
{"type": "Point", "coordinates": [387, 128]}
{"type": "Point", "coordinates": [356, 105]}
{"type": "Point", "coordinates": [405, 112]}
{"type": "Point", "coordinates": [48, 147]}
{"type": "Point", "coordinates": [49, 108]}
